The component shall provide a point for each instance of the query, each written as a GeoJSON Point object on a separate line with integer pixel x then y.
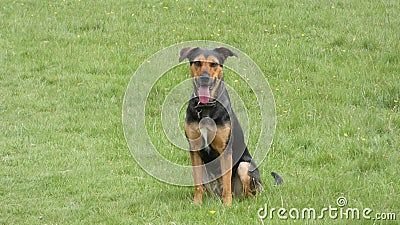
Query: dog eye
{"type": "Point", "coordinates": [197, 63]}
{"type": "Point", "coordinates": [214, 64]}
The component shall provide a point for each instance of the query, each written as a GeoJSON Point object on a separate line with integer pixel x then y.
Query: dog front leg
{"type": "Point", "coordinates": [197, 175]}
{"type": "Point", "coordinates": [220, 144]}
{"type": "Point", "coordinates": [195, 142]}
{"type": "Point", "coordinates": [226, 169]}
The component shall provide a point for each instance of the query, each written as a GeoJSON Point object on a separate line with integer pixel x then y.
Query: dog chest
{"type": "Point", "coordinates": [208, 154]}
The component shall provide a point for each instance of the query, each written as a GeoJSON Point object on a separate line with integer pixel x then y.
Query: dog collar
{"type": "Point", "coordinates": [205, 105]}
{"type": "Point", "coordinates": [200, 106]}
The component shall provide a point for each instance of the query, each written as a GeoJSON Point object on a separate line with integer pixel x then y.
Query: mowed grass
{"type": "Point", "coordinates": [64, 65]}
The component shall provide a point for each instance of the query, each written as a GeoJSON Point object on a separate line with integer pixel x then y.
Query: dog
{"type": "Point", "coordinates": [221, 162]}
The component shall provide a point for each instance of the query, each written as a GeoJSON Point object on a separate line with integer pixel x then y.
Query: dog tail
{"type": "Point", "coordinates": [278, 179]}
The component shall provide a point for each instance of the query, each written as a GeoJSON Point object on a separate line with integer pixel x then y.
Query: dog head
{"type": "Point", "coordinates": [206, 68]}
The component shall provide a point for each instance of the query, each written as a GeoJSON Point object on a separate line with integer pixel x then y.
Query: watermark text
{"type": "Point", "coordinates": [339, 211]}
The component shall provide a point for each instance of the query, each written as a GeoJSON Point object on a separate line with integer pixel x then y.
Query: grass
{"type": "Point", "coordinates": [332, 65]}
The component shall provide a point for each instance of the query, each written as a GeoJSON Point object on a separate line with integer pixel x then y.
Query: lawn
{"type": "Point", "coordinates": [333, 68]}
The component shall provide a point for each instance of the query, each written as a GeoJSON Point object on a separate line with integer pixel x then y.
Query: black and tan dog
{"type": "Point", "coordinates": [221, 161]}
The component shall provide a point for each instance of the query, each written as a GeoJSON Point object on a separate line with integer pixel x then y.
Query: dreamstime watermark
{"type": "Point", "coordinates": [140, 99]}
{"type": "Point", "coordinates": [338, 212]}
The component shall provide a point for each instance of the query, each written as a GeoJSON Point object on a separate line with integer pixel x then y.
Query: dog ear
{"type": "Point", "coordinates": [185, 53]}
{"type": "Point", "coordinates": [224, 52]}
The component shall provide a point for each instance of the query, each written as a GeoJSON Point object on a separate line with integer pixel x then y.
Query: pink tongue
{"type": "Point", "coordinates": [204, 94]}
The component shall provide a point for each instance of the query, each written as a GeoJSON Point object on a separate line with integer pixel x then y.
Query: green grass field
{"type": "Point", "coordinates": [333, 67]}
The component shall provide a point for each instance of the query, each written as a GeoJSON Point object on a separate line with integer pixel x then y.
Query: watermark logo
{"type": "Point", "coordinates": [155, 103]}
{"type": "Point", "coordinates": [340, 211]}
{"type": "Point", "coordinates": [341, 201]}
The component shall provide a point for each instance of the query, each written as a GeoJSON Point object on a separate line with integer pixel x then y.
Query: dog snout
{"type": "Point", "coordinates": [204, 79]}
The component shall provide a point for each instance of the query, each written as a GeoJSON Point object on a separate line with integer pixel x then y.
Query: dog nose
{"type": "Point", "coordinates": [204, 79]}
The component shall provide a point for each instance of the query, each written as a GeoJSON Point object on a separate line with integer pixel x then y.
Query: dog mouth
{"type": "Point", "coordinates": [204, 94]}
{"type": "Point", "coordinates": [204, 85]}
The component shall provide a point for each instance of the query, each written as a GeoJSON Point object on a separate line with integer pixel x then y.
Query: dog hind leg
{"type": "Point", "coordinates": [243, 173]}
